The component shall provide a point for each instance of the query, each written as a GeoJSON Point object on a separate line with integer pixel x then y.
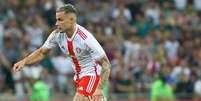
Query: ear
{"type": "Point", "coordinates": [71, 18]}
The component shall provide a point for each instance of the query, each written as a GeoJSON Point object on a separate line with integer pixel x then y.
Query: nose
{"type": "Point", "coordinates": [56, 23]}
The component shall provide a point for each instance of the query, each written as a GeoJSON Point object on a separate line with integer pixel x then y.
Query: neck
{"type": "Point", "coordinates": [69, 32]}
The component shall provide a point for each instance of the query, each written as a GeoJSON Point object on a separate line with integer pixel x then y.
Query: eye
{"type": "Point", "coordinates": [59, 19]}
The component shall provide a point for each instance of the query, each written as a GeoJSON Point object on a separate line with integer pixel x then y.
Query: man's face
{"type": "Point", "coordinates": [64, 21]}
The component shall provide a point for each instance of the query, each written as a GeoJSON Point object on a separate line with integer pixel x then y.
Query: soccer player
{"type": "Point", "coordinates": [91, 64]}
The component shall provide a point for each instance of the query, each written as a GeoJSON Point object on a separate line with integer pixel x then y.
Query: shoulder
{"type": "Point", "coordinates": [54, 34]}
{"type": "Point", "coordinates": [84, 33]}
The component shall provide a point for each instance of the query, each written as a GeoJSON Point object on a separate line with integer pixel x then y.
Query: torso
{"type": "Point", "coordinates": [81, 51]}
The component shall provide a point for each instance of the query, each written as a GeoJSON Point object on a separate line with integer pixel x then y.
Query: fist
{"type": "Point", "coordinates": [18, 66]}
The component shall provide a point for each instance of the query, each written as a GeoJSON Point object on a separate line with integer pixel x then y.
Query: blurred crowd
{"type": "Point", "coordinates": [142, 39]}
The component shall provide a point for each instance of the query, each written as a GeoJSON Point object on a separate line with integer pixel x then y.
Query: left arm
{"type": "Point", "coordinates": [100, 57]}
{"type": "Point", "coordinates": [104, 62]}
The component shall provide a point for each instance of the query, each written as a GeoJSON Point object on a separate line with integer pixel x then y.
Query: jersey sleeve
{"type": "Point", "coordinates": [97, 50]}
{"type": "Point", "coordinates": [51, 40]}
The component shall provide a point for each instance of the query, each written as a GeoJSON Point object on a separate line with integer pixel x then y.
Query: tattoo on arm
{"type": "Point", "coordinates": [104, 62]}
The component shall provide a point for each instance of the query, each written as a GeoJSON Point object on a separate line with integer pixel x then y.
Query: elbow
{"type": "Point", "coordinates": [104, 62]}
{"type": "Point", "coordinates": [108, 70]}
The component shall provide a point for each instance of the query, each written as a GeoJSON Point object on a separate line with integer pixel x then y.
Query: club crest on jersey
{"type": "Point", "coordinates": [78, 50]}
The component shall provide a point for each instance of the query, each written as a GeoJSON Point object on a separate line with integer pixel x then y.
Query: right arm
{"type": "Point", "coordinates": [34, 57]}
{"type": "Point", "coordinates": [38, 54]}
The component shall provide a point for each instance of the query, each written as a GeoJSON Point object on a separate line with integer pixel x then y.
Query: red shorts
{"type": "Point", "coordinates": [87, 85]}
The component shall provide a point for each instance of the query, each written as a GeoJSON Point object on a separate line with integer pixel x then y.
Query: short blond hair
{"type": "Point", "coordinates": [67, 8]}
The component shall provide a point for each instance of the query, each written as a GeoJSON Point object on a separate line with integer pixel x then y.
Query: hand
{"type": "Point", "coordinates": [18, 66]}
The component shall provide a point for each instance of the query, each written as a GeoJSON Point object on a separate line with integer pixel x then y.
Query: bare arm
{"type": "Point", "coordinates": [34, 57]}
{"type": "Point", "coordinates": [104, 62]}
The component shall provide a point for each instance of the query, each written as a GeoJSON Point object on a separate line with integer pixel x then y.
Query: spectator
{"type": "Point", "coordinates": [184, 88]}
{"type": "Point", "coordinates": [161, 91]}
{"type": "Point", "coordinates": [197, 89]}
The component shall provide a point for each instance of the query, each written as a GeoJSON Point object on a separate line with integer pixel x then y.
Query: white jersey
{"type": "Point", "coordinates": [82, 47]}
